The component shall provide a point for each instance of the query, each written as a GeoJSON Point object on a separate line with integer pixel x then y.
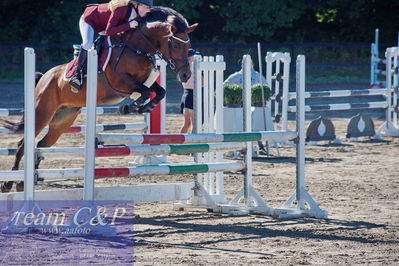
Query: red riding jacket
{"type": "Point", "coordinates": [101, 18]}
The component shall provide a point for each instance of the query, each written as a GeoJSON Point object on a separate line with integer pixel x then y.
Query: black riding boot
{"type": "Point", "coordinates": [77, 79]}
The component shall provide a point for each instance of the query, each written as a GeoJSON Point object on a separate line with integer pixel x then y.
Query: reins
{"type": "Point", "coordinates": [122, 44]}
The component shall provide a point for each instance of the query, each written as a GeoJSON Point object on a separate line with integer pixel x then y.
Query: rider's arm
{"type": "Point", "coordinates": [114, 26]}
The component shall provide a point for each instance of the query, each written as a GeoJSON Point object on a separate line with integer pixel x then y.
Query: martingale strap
{"type": "Point", "coordinates": [149, 56]}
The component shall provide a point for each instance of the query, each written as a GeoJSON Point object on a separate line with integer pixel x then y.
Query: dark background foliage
{"type": "Point", "coordinates": [334, 33]}
{"type": "Point", "coordinates": [232, 21]}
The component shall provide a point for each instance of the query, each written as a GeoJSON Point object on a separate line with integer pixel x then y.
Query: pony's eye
{"type": "Point", "coordinates": [176, 46]}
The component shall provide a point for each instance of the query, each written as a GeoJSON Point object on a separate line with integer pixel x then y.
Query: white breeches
{"type": "Point", "coordinates": [87, 33]}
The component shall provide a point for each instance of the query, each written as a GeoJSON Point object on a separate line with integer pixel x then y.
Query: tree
{"type": "Point", "coordinates": [221, 21]}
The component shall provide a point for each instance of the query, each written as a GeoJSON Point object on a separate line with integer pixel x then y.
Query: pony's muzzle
{"type": "Point", "coordinates": [184, 74]}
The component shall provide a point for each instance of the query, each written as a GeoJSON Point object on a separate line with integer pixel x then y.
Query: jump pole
{"type": "Point", "coordinates": [118, 172]}
{"type": "Point", "coordinates": [29, 131]}
{"type": "Point", "coordinates": [135, 150]}
{"type": "Point", "coordinates": [90, 134]}
{"type": "Point", "coordinates": [100, 111]}
{"type": "Point", "coordinates": [158, 114]}
{"type": "Point", "coordinates": [260, 82]}
{"type": "Point", "coordinates": [77, 129]}
{"type": "Point", "coordinates": [247, 125]}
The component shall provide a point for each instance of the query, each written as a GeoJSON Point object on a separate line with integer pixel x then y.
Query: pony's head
{"type": "Point", "coordinates": [172, 31]}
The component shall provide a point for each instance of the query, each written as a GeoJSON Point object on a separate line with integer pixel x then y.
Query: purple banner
{"type": "Point", "coordinates": [66, 232]}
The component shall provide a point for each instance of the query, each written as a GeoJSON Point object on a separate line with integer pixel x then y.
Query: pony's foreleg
{"type": "Point", "coordinates": [135, 106]}
{"type": "Point", "coordinates": [159, 95]}
{"type": "Point", "coordinates": [61, 121]}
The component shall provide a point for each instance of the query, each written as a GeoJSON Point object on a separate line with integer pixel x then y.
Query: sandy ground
{"type": "Point", "coordinates": [356, 182]}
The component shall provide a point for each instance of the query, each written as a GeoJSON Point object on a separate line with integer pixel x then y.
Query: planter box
{"type": "Point", "coordinates": [233, 119]}
{"type": "Point", "coordinates": [258, 119]}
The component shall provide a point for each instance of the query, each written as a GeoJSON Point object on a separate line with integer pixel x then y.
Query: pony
{"type": "Point", "coordinates": [162, 31]}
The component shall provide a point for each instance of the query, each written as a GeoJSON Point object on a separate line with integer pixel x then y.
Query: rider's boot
{"type": "Point", "coordinates": [77, 79]}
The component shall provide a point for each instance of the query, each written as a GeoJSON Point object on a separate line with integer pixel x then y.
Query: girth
{"type": "Point", "coordinates": [109, 87]}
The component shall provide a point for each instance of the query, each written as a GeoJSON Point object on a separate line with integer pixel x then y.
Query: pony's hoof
{"type": "Point", "coordinates": [5, 188]}
{"type": "Point", "coordinates": [124, 109]}
{"type": "Point", "coordinates": [20, 187]}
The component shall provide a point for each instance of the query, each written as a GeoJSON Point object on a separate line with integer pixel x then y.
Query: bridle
{"type": "Point", "coordinates": [172, 61]}
{"type": "Point", "coordinates": [151, 56]}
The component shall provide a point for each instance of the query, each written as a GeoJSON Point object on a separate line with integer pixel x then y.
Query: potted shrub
{"type": "Point", "coordinates": [232, 95]}
{"type": "Point", "coordinates": [256, 92]}
{"type": "Point", "coordinates": [232, 110]}
{"type": "Point", "coordinates": [233, 113]}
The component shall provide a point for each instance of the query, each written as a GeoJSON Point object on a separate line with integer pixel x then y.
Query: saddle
{"type": "Point", "coordinates": [103, 47]}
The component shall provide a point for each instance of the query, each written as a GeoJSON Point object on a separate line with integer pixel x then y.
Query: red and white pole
{"type": "Point", "coordinates": [158, 115]}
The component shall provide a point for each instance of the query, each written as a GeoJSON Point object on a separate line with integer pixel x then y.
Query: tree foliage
{"type": "Point", "coordinates": [221, 21]}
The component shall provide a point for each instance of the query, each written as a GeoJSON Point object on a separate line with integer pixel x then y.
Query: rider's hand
{"type": "Point", "coordinates": [133, 24]}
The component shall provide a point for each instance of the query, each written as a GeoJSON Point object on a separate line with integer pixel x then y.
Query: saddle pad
{"type": "Point", "coordinates": [103, 60]}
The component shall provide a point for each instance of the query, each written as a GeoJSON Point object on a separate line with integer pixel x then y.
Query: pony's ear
{"type": "Point", "coordinates": [192, 28]}
{"type": "Point", "coordinates": [169, 30]}
{"type": "Point", "coordinates": [171, 20]}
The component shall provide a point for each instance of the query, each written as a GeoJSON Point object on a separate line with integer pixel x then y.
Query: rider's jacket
{"type": "Point", "coordinates": [102, 19]}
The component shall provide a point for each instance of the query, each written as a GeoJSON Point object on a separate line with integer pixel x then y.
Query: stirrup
{"type": "Point", "coordinates": [76, 84]}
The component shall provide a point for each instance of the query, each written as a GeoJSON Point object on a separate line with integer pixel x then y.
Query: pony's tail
{"type": "Point", "coordinates": [18, 127]}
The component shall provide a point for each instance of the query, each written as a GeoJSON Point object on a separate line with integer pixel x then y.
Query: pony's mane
{"type": "Point", "coordinates": [162, 14]}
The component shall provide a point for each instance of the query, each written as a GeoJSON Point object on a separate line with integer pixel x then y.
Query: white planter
{"type": "Point", "coordinates": [258, 119]}
{"type": "Point", "coordinates": [233, 119]}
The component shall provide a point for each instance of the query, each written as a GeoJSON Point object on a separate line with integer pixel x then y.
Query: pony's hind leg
{"type": "Point", "coordinates": [61, 121]}
{"type": "Point", "coordinates": [43, 116]}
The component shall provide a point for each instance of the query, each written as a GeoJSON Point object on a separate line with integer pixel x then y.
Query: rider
{"type": "Point", "coordinates": [106, 19]}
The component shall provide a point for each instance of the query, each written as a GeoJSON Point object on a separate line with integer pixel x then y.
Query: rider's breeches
{"type": "Point", "coordinates": [87, 33]}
